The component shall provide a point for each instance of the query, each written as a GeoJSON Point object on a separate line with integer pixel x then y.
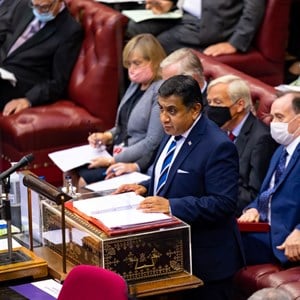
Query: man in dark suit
{"type": "Point", "coordinates": [230, 105]}
{"type": "Point", "coordinates": [184, 62]}
{"type": "Point", "coordinates": [42, 63]}
{"type": "Point", "coordinates": [214, 27]}
{"type": "Point", "coordinates": [278, 201]}
{"type": "Point", "coordinates": [200, 188]}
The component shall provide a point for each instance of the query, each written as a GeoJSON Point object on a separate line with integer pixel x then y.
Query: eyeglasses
{"type": "Point", "coordinates": [42, 8]}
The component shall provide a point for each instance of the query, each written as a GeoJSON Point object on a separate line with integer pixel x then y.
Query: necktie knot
{"type": "Point", "coordinates": [231, 136]}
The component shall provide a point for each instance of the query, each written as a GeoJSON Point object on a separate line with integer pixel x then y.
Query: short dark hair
{"type": "Point", "coordinates": [296, 104]}
{"type": "Point", "coordinates": [183, 86]}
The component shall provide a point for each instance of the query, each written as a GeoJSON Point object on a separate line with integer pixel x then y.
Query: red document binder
{"type": "Point", "coordinates": [254, 227]}
{"type": "Point", "coordinates": [124, 229]}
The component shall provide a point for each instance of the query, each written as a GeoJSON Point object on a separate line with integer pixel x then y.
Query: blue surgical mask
{"type": "Point", "coordinates": [43, 17]}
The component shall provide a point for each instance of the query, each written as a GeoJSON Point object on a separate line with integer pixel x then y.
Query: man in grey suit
{"type": "Point", "coordinates": [229, 106]}
{"type": "Point", "coordinates": [214, 27]}
{"type": "Point", "coordinates": [40, 58]}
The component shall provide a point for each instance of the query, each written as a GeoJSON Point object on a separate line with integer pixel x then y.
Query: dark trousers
{"type": "Point", "coordinates": [218, 290]}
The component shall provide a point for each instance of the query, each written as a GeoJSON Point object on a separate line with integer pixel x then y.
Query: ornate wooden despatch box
{"type": "Point", "coordinates": [145, 255]}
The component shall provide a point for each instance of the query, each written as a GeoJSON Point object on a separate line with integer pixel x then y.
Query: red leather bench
{"type": "Point", "coordinates": [93, 94]}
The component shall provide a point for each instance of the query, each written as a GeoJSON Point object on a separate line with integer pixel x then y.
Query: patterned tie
{"type": "Point", "coordinates": [32, 29]}
{"type": "Point", "coordinates": [166, 164]}
{"type": "Point", "coordinates": [264, 198]}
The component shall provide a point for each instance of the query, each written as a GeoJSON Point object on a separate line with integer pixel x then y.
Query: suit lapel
{"type": "Point", "coordinates": [294, 159]}
{"type": "Point", "coordinates": [190, 142]}
{"type": "Point", "coordinates": [243, 136]}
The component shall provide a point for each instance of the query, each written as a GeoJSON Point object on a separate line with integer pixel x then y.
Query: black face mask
{"type": "Point", "coordinates": [220, 115]}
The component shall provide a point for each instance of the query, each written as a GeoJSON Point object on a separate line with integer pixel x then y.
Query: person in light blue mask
{"type": "Point", "coordinates": [38, 46]}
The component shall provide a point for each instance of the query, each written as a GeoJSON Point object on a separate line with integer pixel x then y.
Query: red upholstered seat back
{"type": "Point", "coordinates": [271, 38]}
{"type": "Point", "coordinates": [262, 94]}
{"type": "Point", "coordinates": [100, 56]}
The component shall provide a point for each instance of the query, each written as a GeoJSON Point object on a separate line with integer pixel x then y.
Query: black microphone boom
{"type": "Point", "coordinates": [20, 164]}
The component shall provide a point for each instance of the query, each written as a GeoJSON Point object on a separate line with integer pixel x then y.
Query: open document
{"type": "Point", "coordinates": [139, 15]}
{"type": "Point", "coordinates": [71, 158]}
{"type": "Point", "coordinates": [114, 212]}
{"type": "Point", "coordinates": [115, 182]}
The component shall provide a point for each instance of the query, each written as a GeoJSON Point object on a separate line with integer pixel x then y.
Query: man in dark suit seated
{"type": "Point", "coordinates": [230, 106]}
{"type": "Point", "coordinates": [195, 177]}
{"type": "Point", "coordinates": [278, 201]}
{"type": "Point", "coordinates": [215, 27]}
{"type": "Point", "coordinates": [39, 46]}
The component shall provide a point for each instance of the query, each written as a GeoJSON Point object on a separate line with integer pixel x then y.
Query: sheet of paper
{"type": "Point", "coordinates": [71, 158]}
{"type": "Point", "coordinates": [49, 286]}
{"type": "Point", "coordinates": [118, 211]}
{"type": "Point", "coordinates": [6, 75]}
{"type": "Point", "coordinates": [288, 88]}
{"type": "Point", "coordinates": [114, 183]}
{"type": "Point", "coordinates": [139, 15]}
{"type": "Point", "coordinates": [3, 244]}
{"type": "Point", "coordinates": [109, 203]}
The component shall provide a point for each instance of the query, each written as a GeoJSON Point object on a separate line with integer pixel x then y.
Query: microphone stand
{"type": "Point", "coordinates": [5, 213]}
{"type": "Point", "coordinates": [52, 193]}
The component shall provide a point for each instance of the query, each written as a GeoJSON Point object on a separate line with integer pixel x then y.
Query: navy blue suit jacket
{"type": "Point", "coordinates": [285, 204]}
{"type": "Point", "coordinates": [202, 189]}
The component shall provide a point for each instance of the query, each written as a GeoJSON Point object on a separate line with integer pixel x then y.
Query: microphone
{"type": "Point", "coordinates": [20, 164]}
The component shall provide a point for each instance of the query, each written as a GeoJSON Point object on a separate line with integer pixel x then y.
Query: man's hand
{"type": "Point", "coordinates": [291, 246]}
{"type": "Point", "coordinates": [15, 105]}
{"type": "Point", "coordinates": [220, 49]}
{"type": "Point", "coordinates": [251, 215]}
{"type": "Point", "coordinates": [159, 6]}
{"type": "Point", "coordinates": [137, 188]}
{"type": "Point", "coordinates": [155, 204]}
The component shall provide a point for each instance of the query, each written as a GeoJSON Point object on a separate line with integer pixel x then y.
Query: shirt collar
{"type": "Point", "coordinates": [236, 131]}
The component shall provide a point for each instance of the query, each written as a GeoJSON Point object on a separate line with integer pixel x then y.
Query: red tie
{"type": "Point", "coordinates": [231, 136]}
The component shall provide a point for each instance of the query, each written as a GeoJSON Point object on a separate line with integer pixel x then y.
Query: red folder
{"type": "Point", "coordinates": [254, 227]}
{"type": "Point", "coordinates": [124, 229]}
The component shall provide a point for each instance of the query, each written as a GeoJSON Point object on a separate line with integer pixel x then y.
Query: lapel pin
{"type": "Point", "coordinates": [189, 143]}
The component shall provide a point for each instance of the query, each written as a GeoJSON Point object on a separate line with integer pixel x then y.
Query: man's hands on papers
{"type": "Point", "coordinates": [118, 211]}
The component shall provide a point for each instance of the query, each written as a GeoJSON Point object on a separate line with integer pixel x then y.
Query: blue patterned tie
{"type": "Point", "coordinates": [264, 198]}
{"type": "Point", "coordinates": [166, 164]}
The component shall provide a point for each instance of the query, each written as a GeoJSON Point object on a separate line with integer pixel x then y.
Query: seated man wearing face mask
{"type": "Point", "coordinates": [229, 106]}
{"type": "Point", "coordinates": [39, 46]}
{"type": "Point", "coordinates": [278, 200]}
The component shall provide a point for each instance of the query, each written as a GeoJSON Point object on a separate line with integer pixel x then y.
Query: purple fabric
{"type": "Point", "coordinates": [31, 292]}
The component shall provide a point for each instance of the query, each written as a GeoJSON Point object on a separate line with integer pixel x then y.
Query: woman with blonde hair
{"type": "Point", "coordinates": [137, 131]}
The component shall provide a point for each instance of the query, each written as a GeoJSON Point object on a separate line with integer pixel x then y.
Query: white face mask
{"type": "Point", "coordinates": [280, 133]}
